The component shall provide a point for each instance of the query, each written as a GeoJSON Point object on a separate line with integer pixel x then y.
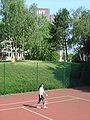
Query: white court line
{"type": "Point", "coordinates": [63, 101]}
{"type": "Point", "coordinates": [37, 113]}
{"type": "Point", "coordinates": [87, 100]}
{"type": "Point", "coordinates": [7, 109]}
{"type": "Point", "coordinates": [16, 103]}
{"type": "Point", "coordinates": [74, 98]}
{"type": "Point", "coordinates": [48, 103]}
{"type": "Point", "coordinates": [31, 101]}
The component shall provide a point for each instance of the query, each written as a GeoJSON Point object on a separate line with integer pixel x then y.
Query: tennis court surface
{"type": "Point", "coordinates": [63, 104]}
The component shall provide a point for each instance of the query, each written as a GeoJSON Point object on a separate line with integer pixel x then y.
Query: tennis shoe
{"type": "Point", "coordinates": [45, 107]}
{"type": "Point", "coordinates": [38, 107]}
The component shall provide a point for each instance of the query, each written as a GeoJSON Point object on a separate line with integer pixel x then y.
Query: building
{"type": "Point", "coordinates": [9, 51]}
{"type": "Point", "coordinates": [51, 18]}
{"type": "Point", "coordinates": [46, 12]}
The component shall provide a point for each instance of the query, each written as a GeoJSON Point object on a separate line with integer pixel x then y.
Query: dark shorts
{"type": "Point", "coordinates": [41, 99]}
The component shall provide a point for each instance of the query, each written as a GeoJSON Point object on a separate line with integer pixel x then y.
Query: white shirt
{"type": "Point", "coordinates": [41, 91]}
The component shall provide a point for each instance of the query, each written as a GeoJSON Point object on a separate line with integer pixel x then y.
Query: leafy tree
{"type": "Point", "coordinates": [27, 30]}
{"type": "Point", "coordinates": [40, 34]}
{"type": "Point", "coordinates": [60, 31]}
{"type": "Point", "coordinates": [81, 31]}
{"type": "Point", "coordinates": [14, 25]}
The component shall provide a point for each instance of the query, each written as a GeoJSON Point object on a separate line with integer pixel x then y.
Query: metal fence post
{"type": "Point", "coordinates": [4, 78]}
{"type": "Point", "coordinates": [64, 81]}
{"type": "Point", "coordinates": [37, 74]}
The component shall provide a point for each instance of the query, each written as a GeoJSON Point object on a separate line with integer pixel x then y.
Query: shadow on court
{"type": "Point", "coordinates": [84, 89]}
{"type": "Point", "coordinates": [31, 106]}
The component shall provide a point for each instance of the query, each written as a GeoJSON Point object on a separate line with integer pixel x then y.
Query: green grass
{"type": "Point", "coordinates": [26, 76]}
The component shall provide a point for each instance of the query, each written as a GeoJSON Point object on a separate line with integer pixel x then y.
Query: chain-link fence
{"type": "Point", "coordinates": [26, 76]}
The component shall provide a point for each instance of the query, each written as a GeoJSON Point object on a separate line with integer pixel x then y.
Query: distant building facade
{"type": "Point", "coordinates": [9, 51]}
{"type": "Point", "coordinates": [46, 12]}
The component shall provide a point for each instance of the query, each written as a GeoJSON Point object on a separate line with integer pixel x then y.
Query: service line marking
{"type": "Point", "coordinates": [63, 100]}
{"type": "Point", "coordinates": [48, 103]}
{"type": "Point", "coordinates": [74, 98]}
{"type": "Point", "coordinates": [7, 109]}
{"type": "Point", "coordinates": [37, 113]}
{"type": "Point", "coordinates": [22, 102]}
{"type": "Point", "coordinates": [80, 98]}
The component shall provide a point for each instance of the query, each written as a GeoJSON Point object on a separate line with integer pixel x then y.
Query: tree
{"type": "Point", "coordinates": [60, 31]}
{"type": "Point", "coordinates": [81, 31]}
{"type": "Point", "coordinates": [13, 21]}
{"type": "Point", "coordinates": [38, 48]}
{"type": "Point", "coordinates": [26, 29]}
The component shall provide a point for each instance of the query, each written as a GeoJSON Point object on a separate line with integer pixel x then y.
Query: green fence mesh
{"type": "Point", "coordinates": [26, 76]}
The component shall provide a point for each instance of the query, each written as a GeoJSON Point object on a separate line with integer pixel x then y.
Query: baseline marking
{"type": "Point", "coordinates": [31, 101]}
{"type": "Point", "coordinates": [63, 101]}
{"type": "Point", "coordinates": [87, 100]}
{"type": "Point", "coordinates": [48, 103]}
{"type": "Point", "coordinates": [37, 113]}
{"type": "Point", "coordinates": [7, 109]}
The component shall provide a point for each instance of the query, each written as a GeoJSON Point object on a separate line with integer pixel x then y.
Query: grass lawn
{"type": "Point", "coordinates": [27, 75]}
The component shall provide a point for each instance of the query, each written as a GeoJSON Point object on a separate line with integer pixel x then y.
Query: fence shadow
{"type": "Point", "coordinates": [83, 89]}
{"type": "Point", "coordinates": [72, 75]}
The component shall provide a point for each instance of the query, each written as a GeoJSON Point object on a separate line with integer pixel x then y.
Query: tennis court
{"type": "Point", "coordinates": [63, 104]}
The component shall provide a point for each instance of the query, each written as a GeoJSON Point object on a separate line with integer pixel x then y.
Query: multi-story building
{"type": "Point", "coordinates": [9, 51]}
{"type": "Point", "coordinates": [46, 12]}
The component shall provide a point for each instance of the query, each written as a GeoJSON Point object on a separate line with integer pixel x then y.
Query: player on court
{"type": "Point", "coordinates": [41, 96]}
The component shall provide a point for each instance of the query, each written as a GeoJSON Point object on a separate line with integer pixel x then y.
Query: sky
{"type": "Point", "coordinates": [55, 5]}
